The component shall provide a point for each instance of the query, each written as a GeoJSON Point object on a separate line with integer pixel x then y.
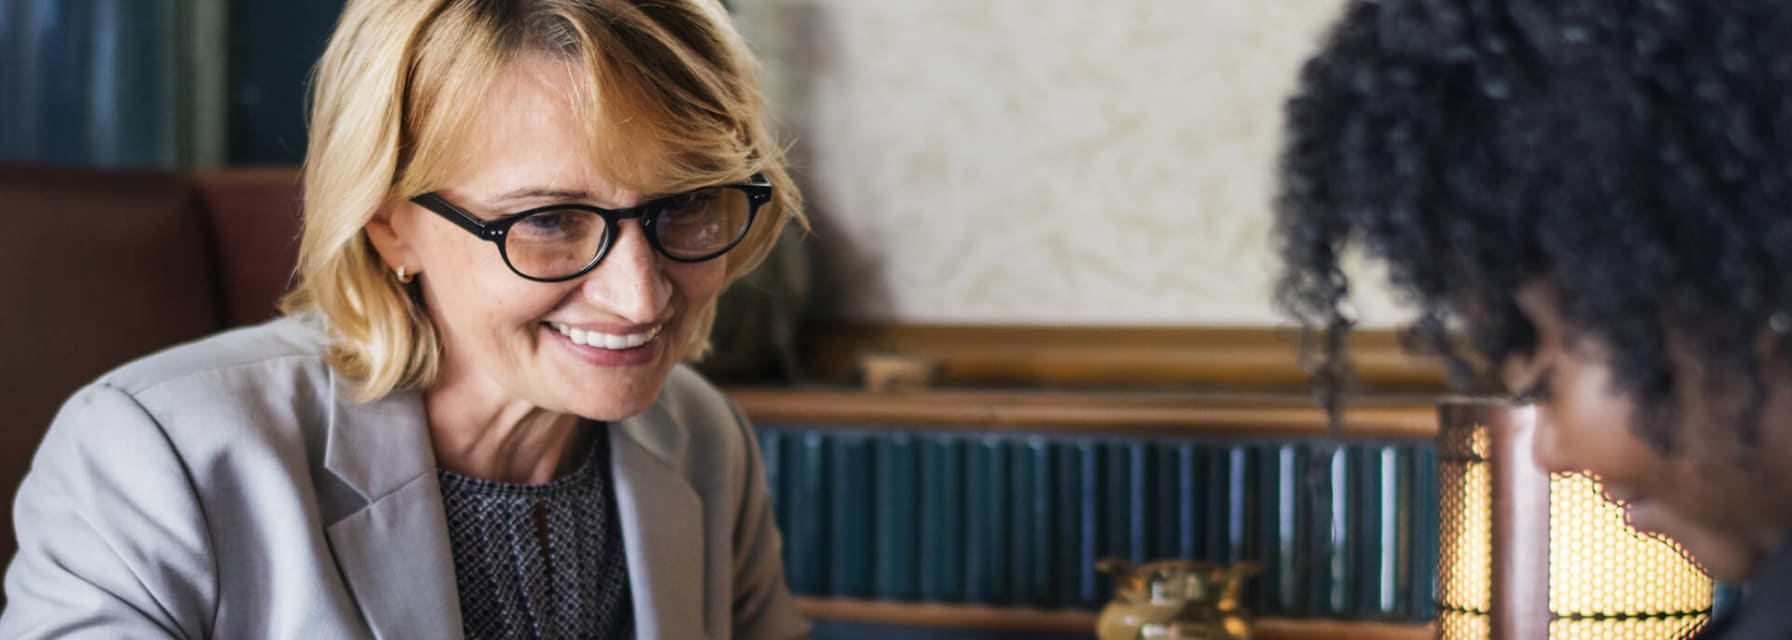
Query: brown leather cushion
{"type": "Point", "coordinates": [255, 218]}
{"type": "Point", "coordinates": [96, 268]}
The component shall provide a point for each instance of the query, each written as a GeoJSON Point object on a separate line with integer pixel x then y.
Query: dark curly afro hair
{"type": "Point", "coordinates": [1635, 154]}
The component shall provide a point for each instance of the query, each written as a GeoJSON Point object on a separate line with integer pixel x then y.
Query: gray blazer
{"type": "Point", "coordinates": [230, 489]}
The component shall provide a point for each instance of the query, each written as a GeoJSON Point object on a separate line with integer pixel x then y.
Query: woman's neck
{"type": "Point", "coordinates": [482, 434]}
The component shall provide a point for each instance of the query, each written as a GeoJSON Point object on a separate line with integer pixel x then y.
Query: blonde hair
{"type": "Point", "coordinates": [401, 83]}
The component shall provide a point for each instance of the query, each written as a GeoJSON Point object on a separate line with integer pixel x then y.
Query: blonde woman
{"type": "Point", "coordinates": [473, 420]}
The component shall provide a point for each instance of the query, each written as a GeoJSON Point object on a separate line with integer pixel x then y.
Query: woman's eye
{"type": "Point", "coordinates": [687, 204]}
{"type": "Point", "coordinates": [1537, 391]}
{"type": "Point", "coordinates": [556, 226]}
{"type": "Point", "coordinates": [544, 222]}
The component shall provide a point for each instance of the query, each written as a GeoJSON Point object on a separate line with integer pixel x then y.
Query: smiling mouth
{"type": "Point", "coordinates": [607, 341]}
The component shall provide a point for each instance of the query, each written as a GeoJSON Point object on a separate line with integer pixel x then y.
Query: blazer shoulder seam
{"type": "Point", "coordinates": [135, 391]}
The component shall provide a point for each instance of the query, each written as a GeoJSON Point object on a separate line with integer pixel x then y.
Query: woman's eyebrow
{"type": "Point", "coordinates": [536, 192]}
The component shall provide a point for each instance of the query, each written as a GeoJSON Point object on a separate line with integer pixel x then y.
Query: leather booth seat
{"type": "Point", "coordinates": [98, 267]}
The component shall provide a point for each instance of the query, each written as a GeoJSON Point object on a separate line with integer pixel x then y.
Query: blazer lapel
{"type": "Point", "coordinates": [662, 527]}
{"type": "Point", "coordinates": [394, 552]}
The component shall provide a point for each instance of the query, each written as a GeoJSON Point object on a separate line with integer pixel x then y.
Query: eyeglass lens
{"type": "Point", "coordinates": [556, 243]}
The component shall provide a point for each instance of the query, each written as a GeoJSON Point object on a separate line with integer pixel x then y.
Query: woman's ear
{"type": "Point", "coordinates": [389, 230]}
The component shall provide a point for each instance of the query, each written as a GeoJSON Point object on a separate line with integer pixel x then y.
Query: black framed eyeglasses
{"type": "Point", "coordinates": [560, 242]}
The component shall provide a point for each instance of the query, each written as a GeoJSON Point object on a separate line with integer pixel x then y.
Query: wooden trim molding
{"type": "Point", "coordinates": [1129, 413]}
{"type": "Point", "coordinates": [1025, 619]}
{"type": "Point", "coordinates": [1070, 621]}
{"type": "Point", "coordinates": [1203, 357]}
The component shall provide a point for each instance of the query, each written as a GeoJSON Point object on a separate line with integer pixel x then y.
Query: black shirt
{"type": "Point", "coordinates": [1765, 612]}
{"type": "Point", "coordinates": [540, 562]}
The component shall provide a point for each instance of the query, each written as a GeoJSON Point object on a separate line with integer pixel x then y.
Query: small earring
{"type": "Point", "coordinates": [404, 278]}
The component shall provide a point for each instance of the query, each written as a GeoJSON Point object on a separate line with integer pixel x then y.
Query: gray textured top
{"type": "Point", "coordinates": [540, 562]}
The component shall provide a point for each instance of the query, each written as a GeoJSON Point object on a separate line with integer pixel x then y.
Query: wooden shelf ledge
{"type": "Point", "coordinates": [1119, 413]}
{"type": "Point", "coordinates": [1070, 621]}
{"type": "Point", "coordinates": [1259, 358]}
{"type": "Point", "coordinates": [949, 615]}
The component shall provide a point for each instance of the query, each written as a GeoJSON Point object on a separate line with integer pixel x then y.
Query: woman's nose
{"type": "Point", "coordinates": [630, 282]}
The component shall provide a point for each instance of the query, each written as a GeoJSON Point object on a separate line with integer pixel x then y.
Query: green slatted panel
{"type": "Point", "coordinates": [1021, 518]}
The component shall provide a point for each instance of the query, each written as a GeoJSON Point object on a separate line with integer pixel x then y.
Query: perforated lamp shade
{"type": "Point", "coordinates": [1526, 554]}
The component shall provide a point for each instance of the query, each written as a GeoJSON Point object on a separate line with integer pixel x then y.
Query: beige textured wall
{"type": "Point", "coordinates": [1040, 161]}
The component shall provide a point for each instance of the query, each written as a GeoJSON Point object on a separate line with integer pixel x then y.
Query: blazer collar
{"type": "Point", "coordinates": [394, 552]}
{"type": "Point", "coordinates": [662, 526]}
{"type": "Point", "coordinates": [379, 446]}
{"type": "Point", "coordinates": [395, 555]}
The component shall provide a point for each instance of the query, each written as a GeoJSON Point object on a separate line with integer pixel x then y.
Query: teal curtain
{"type": "Point", "coordinates": [90, 82]}
{"type": "Point", "coordinates": [273, 46]}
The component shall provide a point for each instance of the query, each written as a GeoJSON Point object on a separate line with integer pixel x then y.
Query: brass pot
{"type": "Point", "coordinates": [1175, 600]}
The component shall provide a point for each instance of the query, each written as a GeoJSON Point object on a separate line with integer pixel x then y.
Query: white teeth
{"type": "Point", "coordinates": [607, 341]}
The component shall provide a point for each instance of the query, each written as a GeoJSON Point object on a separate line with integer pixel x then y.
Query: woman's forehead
{"type": "Point", "coordinates": [538, 128]}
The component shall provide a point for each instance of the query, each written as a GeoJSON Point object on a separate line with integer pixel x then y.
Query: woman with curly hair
{"type": "Point", "coordinates": [1597, 194]}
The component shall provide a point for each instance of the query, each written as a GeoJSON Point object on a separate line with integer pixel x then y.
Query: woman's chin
{"type": "Point", "coordinates": [1726, 565]}
{"type": "Point", "coordinates": [615, 397]}
{"type": "Point", "coordinates": [613, 405]}
{"type": "Point", "coordinates": [1723, 557]}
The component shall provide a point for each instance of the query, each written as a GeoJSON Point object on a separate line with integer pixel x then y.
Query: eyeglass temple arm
{"type": "Point", "coordinates": [454, 214]}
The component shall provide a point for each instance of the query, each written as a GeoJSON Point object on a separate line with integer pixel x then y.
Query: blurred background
{"type": "Point", "coordinates": [1031, 329]}
{"type": "Point", "coordinates": [996, 161]}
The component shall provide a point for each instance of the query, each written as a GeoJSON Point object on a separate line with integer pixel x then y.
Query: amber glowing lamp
{"type": "Point", "coordinates": [1528, 555]}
